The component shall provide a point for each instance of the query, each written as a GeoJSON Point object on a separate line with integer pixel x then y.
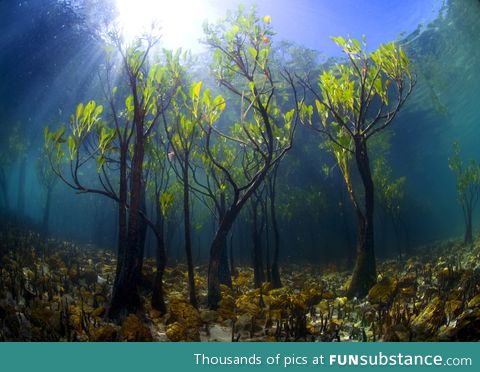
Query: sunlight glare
{"type": "Point", "coordinates": [180, 21]}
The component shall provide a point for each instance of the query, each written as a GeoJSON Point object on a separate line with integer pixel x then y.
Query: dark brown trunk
{"type": "Point", "coordinates": [187, 233]}
{"type": "Point", "coordinates": [143, 227]}
{"type": "Point", "coordinates": [275, 273]}
{"type": "Point", "coordinates": [125, 297]}
{"type": "Point", "coordinates": [257, 254]}
{"type": "Point", "coordinates": [268, 269]}
{"type": "Point", "coordinates": [364, 273]}
{"type": "Point", "coordinates": [468, 238]}
{"type": "Point", "coordinates": [122, 208]}
{"type": "Point", "coordinates": [158, 299]}
{"type": "Point", "coordinates": [214, 295]}
{"type": "Point", "coordinates": [224, 269]}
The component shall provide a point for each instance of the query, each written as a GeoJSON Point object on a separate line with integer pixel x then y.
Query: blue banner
{"type": "Point", "coordinates": [117, 357]}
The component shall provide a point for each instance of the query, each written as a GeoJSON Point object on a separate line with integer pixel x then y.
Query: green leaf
{"type": "Point", "coordinates": [59, 134]}
{"type": "Point", "coordinates": [339, 41]}
{"type": "Point", "coordinates": [253, 52]}
{"type": "Point", "coordinates": [166, 201]}
{"type": "Point", "coordinates": [79, 111]}
{"type": "Point", "coordinates": [72, 147]}
{"type": "Point", "coordinates": [196, 90]}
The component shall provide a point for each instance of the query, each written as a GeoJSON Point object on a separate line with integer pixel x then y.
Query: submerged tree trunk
{"type": "Point", "coordinates": [187, 234]}
{"type": "Point", "coordinates": [125, 297]}
{"type": "Point", "coordinates": [364, 273]}
{"type": "Point", "coordinates": [257, 252]}
{"type": "Point", "coordinates": [214, 295]}
{"type": "Point", "coordinates": [158, 300]}
{"type": "Point", "coordinates": [224, 269]}
{"type": "Point", "coordinates": [46, 212]}
{"type": "Point", "coordinates": [143, 228]}
{"type": "Point", "coordinates": [275, 272]}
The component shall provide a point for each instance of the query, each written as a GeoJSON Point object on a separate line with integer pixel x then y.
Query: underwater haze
{"type": "Point", "coordinates": [239, 171]}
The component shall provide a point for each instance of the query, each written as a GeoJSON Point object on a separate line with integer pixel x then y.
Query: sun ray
{"type": "Point", "coordinates": [180, 21]}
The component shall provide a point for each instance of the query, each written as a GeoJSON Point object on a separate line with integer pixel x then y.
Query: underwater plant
{"type": "Point", "coordinates": [159, 186]}
{"type": "Point", "coordinates": [215, 195]}
{"type": "Point", "coordinates": [241, 50]}
{"type": "Point", "coordinates": [354, 101]}
{"type": "Point", "coordinates": [468, 188]}
{"type": "Point", "coordinates": [147, 92]}
{"type": "Point", "coordinates": [188, 117]}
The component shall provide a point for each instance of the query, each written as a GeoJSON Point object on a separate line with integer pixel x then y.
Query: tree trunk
{"type": "Point", "coordinates": [46, 212]}
{"type": "Point", "coordinates": [224, 269]}
{"type": "Point", "coordinates": [468, 238]}
{"type": "Point", "coordinates": [125, 297]}
{"type": "Point", "coordinates": [364, 273]}
{"type": "Point", "coordinates": [275, 274]}
{"type": "Point", "coordinates": [268, 269]}
{"type": "Point", "coordinates": [158, 300]}
{"type": "Point", "coordinates": [143, 228]}
{"type": "Point", "coordinates": [257, 254]}
{"type": "Point", "coordinates": [214, 295]}
{"type": "Point", "coordinates": [187, 234]}
{"type": "Point", "coordinates": [115, 305]}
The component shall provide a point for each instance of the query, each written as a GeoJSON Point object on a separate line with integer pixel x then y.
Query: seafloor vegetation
{"type": "Point", "coordinates": [58, 291]}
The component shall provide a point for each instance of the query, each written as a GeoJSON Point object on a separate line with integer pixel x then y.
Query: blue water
{"type": "Point", "coordinates": [48, 63]}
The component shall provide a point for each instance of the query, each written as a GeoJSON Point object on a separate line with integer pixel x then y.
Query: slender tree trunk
{"type": "Point", "coordinates": [224, 269]}
{"type": "Point", "coordinates": [125, 297]}
{"type": "Point", "coordinates": [364, 273]}
{"type": "Point", "coordinates": [116, 303]}
{"type": "Point", "coordinates": [268, 269]}
{"type": "Point", "coordinates": [257, 252]}
{"type": "Point", "coordinates": [143, 228]}
{"type": "Point", "coordinates": [158, 300]}
{"type": "Point", "coordinates": [214, 295]}
{"type": "Point", "coordinates": [46, 212]}
{"type": "Point", "coordinates": [275, 274]}
{"type": "Point", "coordinates": [187, 233]}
